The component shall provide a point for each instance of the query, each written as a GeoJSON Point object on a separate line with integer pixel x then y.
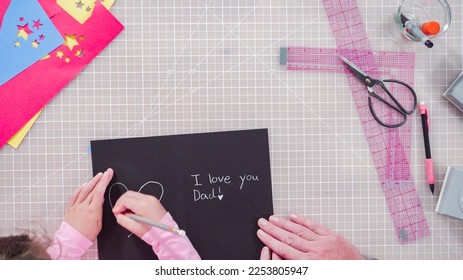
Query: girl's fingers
{"type": "Point", "coordinates": [74, 196]}
{"type": "Point", "coordinates": [98, 192]}
{"type": "Point", "coordinates": [129, 201]}
{"type": "Point", "coordinates": [87, 189]}
{"type": "Point", "coordinates": [131, 225]}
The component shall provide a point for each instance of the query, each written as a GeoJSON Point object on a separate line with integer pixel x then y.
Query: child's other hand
{"type": "Point", "coordinates": [146, 206]}
{"type": "Point", "coordinates": [85, 208]}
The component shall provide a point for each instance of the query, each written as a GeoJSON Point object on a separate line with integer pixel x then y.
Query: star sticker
{"type": "Point", "coordinates": [88, 9]}
{"type": "Point", "coordinates": [42, 37]}
{"type": "Point", "coordinates": [79, 4]}
{"type": "Point", "coordinates": [67, 60]}
{"type": "Point", "coordinates": [17, 44]}
{"type": "Point", "coordinates": [82, 37]}
{"type": "Point", "coordinates": [21, 19]}
{"type": "Point", "coordinates": [37, 24]}
{"type": "Point", "coordinates": [71, 41]}
{"type": "Point", "coordinates": [35, 44]}
{"type": "Point", "coordinates": [80, 53]}
{"type": "Point", "coordinates": [59, 54]}
{"type": "Point", "coordinates": [24, 31]}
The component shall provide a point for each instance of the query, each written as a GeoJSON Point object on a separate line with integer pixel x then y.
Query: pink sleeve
{"type": "Point", "coordinates": [170, 246]}
{"type": "Point", "coordinates": [68, 244]}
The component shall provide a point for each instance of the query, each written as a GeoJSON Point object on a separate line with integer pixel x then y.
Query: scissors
{"type": "Point", "coordinates": [370, 83]}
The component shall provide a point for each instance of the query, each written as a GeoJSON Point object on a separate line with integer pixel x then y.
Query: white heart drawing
{"type": "Point", "coordinates": [126, 190]}
{"type": "Point", "coordinates": [220, 196]}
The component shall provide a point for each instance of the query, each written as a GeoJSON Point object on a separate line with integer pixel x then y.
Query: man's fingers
{"type": "Point", "coordinates": [294, 228]}
{"type": "Point", "coordinates": [87, 189]}
{"type": "Point", "coordinates": [284, 236]}
{"type": "Point", "coordinates": [265, 254]}
{"type": "Point", "coordinates": [276, 257]}
{"type": "Point", "coordinates": [310, 224]}
{"type": "Point", "coordinates": [283, 250]}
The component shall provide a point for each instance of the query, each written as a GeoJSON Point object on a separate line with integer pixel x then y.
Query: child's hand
{"type": "Point", "coordinates": [85, 208]}
{"type": "Point", "coordinates": [146, 206]}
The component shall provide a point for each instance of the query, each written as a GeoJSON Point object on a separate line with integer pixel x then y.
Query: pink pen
{"type": "Point", "coordinates": [427, 147]}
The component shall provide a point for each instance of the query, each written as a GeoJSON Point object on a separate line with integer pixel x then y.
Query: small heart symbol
{"type": "Point", "coordinates": [220, 196]}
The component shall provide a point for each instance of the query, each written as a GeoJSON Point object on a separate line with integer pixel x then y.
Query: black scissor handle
{"type": "Point", "coordinates": [397, 107]}
{"type": "Point", "coordinates": [370, 104]}
{"type": "Point", "coordinates": [415, 99]}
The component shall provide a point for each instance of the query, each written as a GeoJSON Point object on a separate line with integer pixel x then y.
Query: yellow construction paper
{"type": "Point", "coordinates": [17, 139]}
{"type": "Point", "coordinates": [108, 3]}
{"type": "Point", "coordinates": [82, 10]}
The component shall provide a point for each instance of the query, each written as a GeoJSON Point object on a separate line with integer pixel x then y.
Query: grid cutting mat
{"type": "Point", "coordinates": [203, 66]}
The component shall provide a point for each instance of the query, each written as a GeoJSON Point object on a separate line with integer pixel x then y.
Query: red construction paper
{"type": "Point", "coordinates": [3, 7]}
{"type": "Point", "coordinates": [27, 93]}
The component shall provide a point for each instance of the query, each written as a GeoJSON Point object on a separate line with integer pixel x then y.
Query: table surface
{"type": "Point", "coordinates": [201, 66]}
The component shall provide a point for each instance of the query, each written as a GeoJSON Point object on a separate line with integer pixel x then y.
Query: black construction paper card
{"type": "Point", "coordinates": [215, 185]}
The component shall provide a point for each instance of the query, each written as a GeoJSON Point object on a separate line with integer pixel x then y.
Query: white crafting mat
{"type": "Point", "coordinates": [200, 66]}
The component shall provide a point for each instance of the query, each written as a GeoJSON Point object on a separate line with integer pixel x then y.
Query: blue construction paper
{"type": "Point", "coordinates": [26, 36]}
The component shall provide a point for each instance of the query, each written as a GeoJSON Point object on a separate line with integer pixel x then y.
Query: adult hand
{"type": "Point", "coordinates": [85, 207]}
{"type": "Point", "coordinates": [302, 239]}
{"type": "Point", "coordinates": [143, 205]}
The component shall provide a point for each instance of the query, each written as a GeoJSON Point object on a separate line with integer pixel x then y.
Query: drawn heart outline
{"type": "Point", "coordinates": [157, 184]}
{"type": "Point", "coordinates": [149, 183]}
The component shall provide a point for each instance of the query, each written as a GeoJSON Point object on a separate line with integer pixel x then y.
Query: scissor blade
{"type": "Point", "coordinates": [354, 68]}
